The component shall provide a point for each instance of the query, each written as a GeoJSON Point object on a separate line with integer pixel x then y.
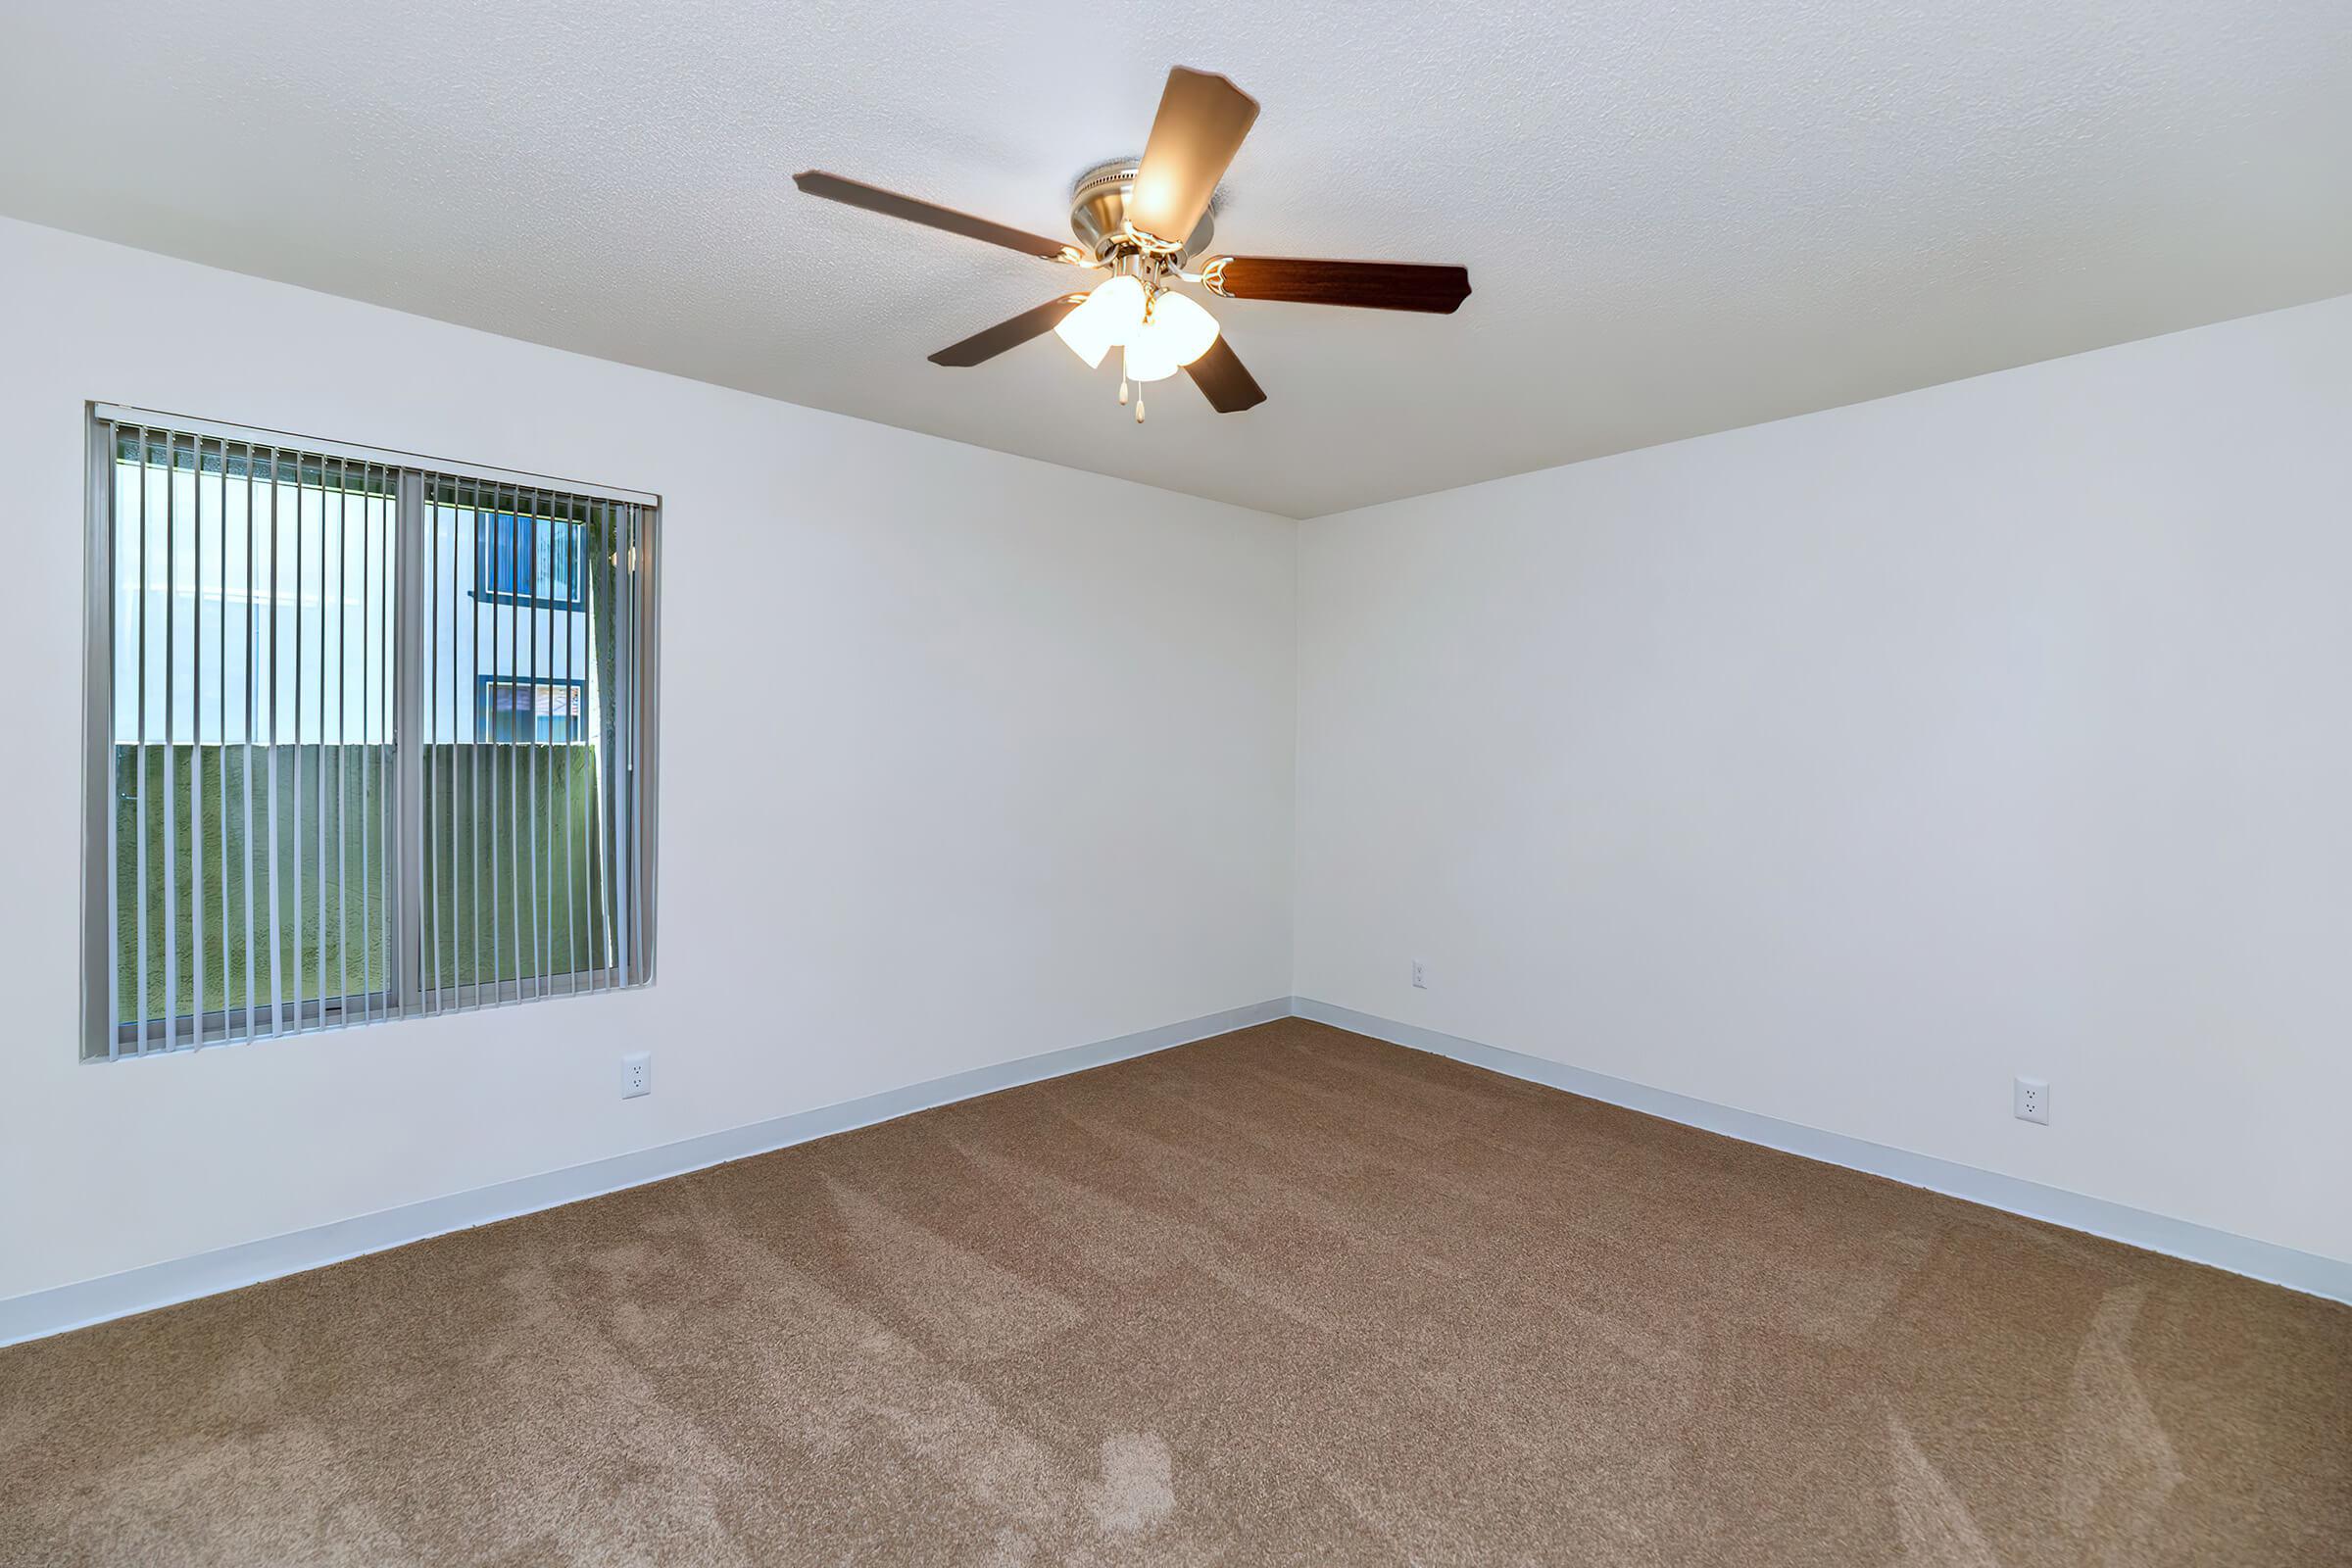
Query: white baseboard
{"type": "Point", "coordinates": [77, 1305]}
{"type": "Point", "coordinates": [2157, 1233]}
{"type": "Point", "coordinates": [140, 1290]}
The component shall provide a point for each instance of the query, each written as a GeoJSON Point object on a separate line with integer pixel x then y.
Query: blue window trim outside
{"type": "Point", "coordinates": [485, 715]}
{"type": "Point", "coordinates": [487, 562]}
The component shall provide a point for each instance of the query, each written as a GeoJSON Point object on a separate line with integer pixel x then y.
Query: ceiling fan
{"type": "Point", "coordinates": [1143, 222]}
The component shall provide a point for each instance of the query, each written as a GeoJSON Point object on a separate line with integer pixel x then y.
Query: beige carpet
{"type": "Point", "coordinates": [1286, 1295]}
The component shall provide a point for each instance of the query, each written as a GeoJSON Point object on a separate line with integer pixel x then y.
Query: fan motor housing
{"type": "Point", "coordinates": [1098, 212]}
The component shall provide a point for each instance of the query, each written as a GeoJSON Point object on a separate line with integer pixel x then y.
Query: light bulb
{"type": "Point", "coordinates": [1107, 318]}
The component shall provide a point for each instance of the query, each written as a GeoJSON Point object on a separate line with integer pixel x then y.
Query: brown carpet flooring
{"type": "Point", "coordinates": [1286, 1295]}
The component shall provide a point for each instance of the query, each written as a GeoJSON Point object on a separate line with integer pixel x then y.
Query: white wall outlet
{"type": "Point", "coordinates": [2033, 1101]}
{"type": "Point", "coordinates": [1420, 975]}
{"type": "Point", "coordinates": [636, 1074]}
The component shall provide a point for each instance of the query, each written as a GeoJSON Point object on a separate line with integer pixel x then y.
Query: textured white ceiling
{"type": "Point", "coordinates": [1679, 215]}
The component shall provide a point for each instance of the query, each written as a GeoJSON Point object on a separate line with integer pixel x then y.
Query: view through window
{"type": "Point", "coordinates": [371, 737]}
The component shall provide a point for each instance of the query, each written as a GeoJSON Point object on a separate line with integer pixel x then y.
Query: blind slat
{"type": "Point", "coordinates": [245, 693]}
{"type": "Point", "coordinates": [171, 1000]}
{"type": "Point", "coordinates": [277, 992]}
{"type": "Point", "coordinates": [139, 751]}
{"type": "Point", "coordinates": [477, 858]}
{"type": "Point", "coordinates": [368, 792]}
{"type": "Point", "coordinates": [195, 827]}
{"type": "Point", "coordinates": [429, 924]}
{"type": "Point", "coordinates": [220, 888]}
{"type": "Point", "coordinates": [536, 702]}
{"type": "Point", "coordinates": [516, 752]}
{"type": "Point", "coordinates": [333, 635]}
{"type": "Point", "coordinates": [104, 478]}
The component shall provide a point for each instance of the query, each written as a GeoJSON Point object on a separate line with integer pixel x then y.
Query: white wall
{"type": "Point", "coordinates": [1835, 769]}
{"type": "Point", "coordinates": [1840, 769]}
{"type": "Point", "coordinates": [966, 758]}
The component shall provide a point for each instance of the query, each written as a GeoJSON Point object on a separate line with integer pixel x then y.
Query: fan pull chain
{"type": "Point", "coordinates": [1139, 405]}
{"type": "Point", "coordinates": [1122, 389]}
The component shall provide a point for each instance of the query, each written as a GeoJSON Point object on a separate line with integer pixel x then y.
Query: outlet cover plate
{"type": "Point", "coordinates": [636, 1074]}
{"type": "Point", "coordinates": [2032, 1103]}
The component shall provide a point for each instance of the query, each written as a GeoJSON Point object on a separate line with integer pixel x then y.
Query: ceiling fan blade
{"type": "Point", "coordinates": [1224, 379]}
{"type": "Point", "coordinates": [1377, 285]}
{"type": "Point", "coordinates": [992, 341]}
{"type": "Point", "coordinates": [1203, 119]}
{"type": "Point", "coordinates": [890, 203]}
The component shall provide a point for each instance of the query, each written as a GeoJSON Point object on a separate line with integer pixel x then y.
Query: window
{"type": "Point", "coordinates": [529, 559]}
{"type": "Point", "coordinates": [371, 737]}
{"type": "Point", "coordinates": [544, 710]}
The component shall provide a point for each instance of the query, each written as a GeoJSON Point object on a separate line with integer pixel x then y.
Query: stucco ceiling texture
{"type": "Point", "coordinates": [1679, 215]}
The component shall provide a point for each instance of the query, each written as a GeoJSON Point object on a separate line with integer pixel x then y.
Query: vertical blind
{"type": "Point", "coordinates": [371, 738]}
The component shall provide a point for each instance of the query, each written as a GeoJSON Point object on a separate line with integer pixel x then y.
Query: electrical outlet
{"type": "Point", "coordinates": [2033, 1101]}
{"type": "Point", "coordinates": [1420, 975]}
{"type": "Point", "coordinates": [636, 1074]}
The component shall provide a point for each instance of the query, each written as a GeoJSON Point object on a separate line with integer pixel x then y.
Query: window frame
{"type": "Point", "coordinates": [402, 995]}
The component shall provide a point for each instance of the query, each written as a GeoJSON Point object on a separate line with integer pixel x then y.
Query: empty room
{"type": "Point", "coordinates": [1387, 784]}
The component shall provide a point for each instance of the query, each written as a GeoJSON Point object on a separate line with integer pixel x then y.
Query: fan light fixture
{"type": "Point", "coordinates": [1162, 330]}
{"type": "Point", "coordinates": [1148, 223]}
{"type": "Point", "coordinates": [1157, 330]}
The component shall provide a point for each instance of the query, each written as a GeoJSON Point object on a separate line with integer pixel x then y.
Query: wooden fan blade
{"type": "Point", "coordinates": [1011, 334]}
{"type": "Point", "coordinates": [1224, 379]}
{"type": "Point", "coordinates": [1376, 285]}
{"type": "Point", "coordinates": [1203, 119]}
{"type": "Point", "coordinates": [890, 203]}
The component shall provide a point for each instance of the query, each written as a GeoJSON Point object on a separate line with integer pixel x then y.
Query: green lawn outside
{"type": "Point", "coordinates": [514, 888]}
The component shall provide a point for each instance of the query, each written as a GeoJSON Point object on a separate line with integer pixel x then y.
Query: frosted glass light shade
{"type": "Point", "coordinates": [1110, 316]}
{"type": "Point", "coordinates": [1177, 334]}
{"type": "Point", "coordinates": [1150, 359]}
{"type": "Point", "coordinates": [1184, 328]}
